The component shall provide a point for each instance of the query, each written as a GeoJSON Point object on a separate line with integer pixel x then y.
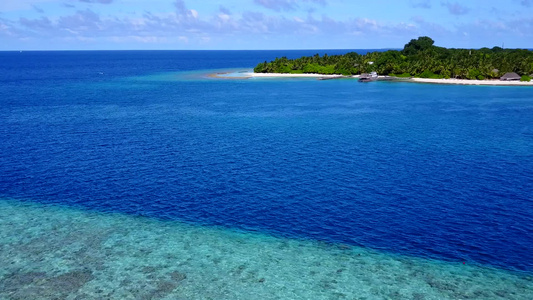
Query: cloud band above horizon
{"type": "Point", "coordinates": [260, 24]}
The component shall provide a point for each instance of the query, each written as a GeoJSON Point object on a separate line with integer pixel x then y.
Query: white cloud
{"type": "Point", "coordinates": [198, 26]}
{"type": "Point", "coordinates": [224, 17]}
{"type": "Point", "coordinates": [287, 5]}
{"type": "Point", "coordinates": [194, 13]}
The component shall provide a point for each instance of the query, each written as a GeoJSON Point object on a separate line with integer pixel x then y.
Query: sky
{"type": "Point", "coordinates": [261, 24]}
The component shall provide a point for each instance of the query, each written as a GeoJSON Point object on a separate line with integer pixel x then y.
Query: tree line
{"type": "Point", "coordinates": [419, 58]}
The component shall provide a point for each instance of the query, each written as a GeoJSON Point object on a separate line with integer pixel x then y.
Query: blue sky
{"type": "Point", "coordinates": [261, 24]}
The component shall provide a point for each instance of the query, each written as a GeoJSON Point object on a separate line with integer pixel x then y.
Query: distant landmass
{"type": "Point", "coordinates": [419, 58]}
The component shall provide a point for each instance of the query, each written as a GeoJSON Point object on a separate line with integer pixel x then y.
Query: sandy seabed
{"type": "Point", "coordinates": [308, 75]}
{"type": "Point", "coordinates": [52, 252]}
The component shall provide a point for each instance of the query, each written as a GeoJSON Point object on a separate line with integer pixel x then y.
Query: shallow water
{"type": "Point", "coordinates": [70, 254]}
{"type": "Point", "coordinates": [306, 174]}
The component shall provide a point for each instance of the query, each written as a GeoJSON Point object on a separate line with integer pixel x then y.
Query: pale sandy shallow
{"type": "Point", "coordinates": [52, 252]}
{"type": "Point", "coordinates": [418, 80]}
{"type": "Point", "coordinates": [250, 74]}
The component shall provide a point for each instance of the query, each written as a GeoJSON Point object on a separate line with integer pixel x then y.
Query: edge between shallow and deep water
{"type": "Point", "coordinates": [55, 251]}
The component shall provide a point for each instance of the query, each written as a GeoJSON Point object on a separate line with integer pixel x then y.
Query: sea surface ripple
{"type": "Point", "coordinates": [431, 171]}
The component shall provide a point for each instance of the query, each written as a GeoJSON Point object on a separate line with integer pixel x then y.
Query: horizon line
{"type": "Point", "coordinates": [307, 49]}
{"type": "Point", "coordinates": [73, 50]}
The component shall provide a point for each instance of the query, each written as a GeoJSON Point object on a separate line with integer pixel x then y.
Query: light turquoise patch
{"type": "Point", "coordinates": [66, 253]}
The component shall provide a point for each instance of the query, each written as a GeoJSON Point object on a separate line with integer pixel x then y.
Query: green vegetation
{"type": "Point", "coordinates": [419, 58]}
{"type": "Point", "coordinates": [525, 78]}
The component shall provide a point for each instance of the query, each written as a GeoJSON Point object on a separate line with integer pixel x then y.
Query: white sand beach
{"type": "Point", "coordinates": [388, 78]}
{"type": "Point", "coordinates": [471, 82]}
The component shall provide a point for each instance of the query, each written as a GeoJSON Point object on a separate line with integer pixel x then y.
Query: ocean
{"type": "Point", "coordinates": [137, 175]}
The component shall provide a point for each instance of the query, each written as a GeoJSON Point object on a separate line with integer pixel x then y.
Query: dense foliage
{"type": "Point", "coordinates": [419, 58]}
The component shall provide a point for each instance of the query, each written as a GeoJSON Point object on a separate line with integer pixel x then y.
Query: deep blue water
{"type": "Point", "coordinates": [434, 171]}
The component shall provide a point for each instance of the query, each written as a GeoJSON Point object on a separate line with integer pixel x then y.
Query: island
{"type": "Point", "coordinates": [420, 59]}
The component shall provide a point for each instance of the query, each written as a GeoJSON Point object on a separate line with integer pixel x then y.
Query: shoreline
{"type": "Point", "coordinates": [247, 75]}
{"type": "Point", "coordinates": [471, 82]}
{"type": "Point", "coordinates": [303, 75]}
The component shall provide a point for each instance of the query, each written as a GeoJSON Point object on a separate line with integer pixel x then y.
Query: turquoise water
{"type": "Point", "coordinates": [50, 251]}
{"type": "Point", "coordinates": [133, 174]}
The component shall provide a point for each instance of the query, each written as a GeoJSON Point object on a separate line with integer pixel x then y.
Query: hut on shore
{"type": "Point", "coordinates": [512, 76]}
